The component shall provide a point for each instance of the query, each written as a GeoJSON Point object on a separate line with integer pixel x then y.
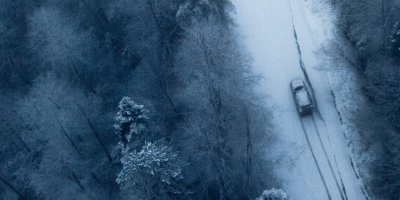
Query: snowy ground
{"type": "Point", "coordinates": [284, 37]}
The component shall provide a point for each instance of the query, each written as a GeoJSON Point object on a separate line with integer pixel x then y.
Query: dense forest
{"type": "Point", "coordinates": [372, 29]}
{"type": "Point", "coordinates": [128, 99]}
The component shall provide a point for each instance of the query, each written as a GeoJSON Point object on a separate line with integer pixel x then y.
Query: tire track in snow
{"type": "Point", "coordinates": [315, 159]}
{"type": "Point", "coordinates": [303, 69]}
{"type": "Point", "coordinates": [342, 193]}
{"type": "Point", "coordinates": [364, 191]}
{"type": "Point", "coordinates": [302, 66]}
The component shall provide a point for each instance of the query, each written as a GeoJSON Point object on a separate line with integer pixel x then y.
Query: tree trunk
{"type": "Point", "coordinates": [74, 177]}
{"type": "Point", "coordinates": [166, 58]}
{"type": "Point", "coordinates": [97, 135]}
{"type": "Point", "coordinates": [66, 135]}
{"type": "Point", "coordinates": [20, 195]}
{"type": "Point", "coordinates": [249, 152]}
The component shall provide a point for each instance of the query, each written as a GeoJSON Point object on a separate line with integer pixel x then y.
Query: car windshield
{"type": "Point", "coordinates": [299, 88]}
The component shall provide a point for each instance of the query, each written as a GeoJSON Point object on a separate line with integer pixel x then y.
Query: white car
{"type": "Point", "coordinates": [301, 97]}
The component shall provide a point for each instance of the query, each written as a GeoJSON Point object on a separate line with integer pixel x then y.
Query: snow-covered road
{"type": "Point", "coordinates": [283, 36]}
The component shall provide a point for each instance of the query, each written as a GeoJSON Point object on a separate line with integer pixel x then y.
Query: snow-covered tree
{"type": "Point", "coordinates": [216, 80]}
{"type": "Point", "coordinates": [394, 46]}
{"type": "Point", "coordinates": [131, 120]}
{"type": "Point", "coordinates": [152, 171]}
{"type": "Point", "coordinates": [190, 9]}
{"type": "Point", "coordinates": [273, 194]}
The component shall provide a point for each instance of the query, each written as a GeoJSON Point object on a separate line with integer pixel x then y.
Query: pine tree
{"type": "Point", "coordinates": [132, 120]}
{"type": "Point", "coordinates": [152, 172]}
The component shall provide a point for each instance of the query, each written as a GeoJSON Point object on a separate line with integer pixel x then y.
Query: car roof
{"type": "Point", "coordinates": [303, 98]}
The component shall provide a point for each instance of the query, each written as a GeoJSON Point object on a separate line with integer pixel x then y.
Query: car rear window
{"type": "Point", "coordinates": [299, 88]}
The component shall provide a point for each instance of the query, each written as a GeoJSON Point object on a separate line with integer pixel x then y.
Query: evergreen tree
{"type": "Point", "coordinates": [132, 120]}
{"type": "Point", "coordinates": [152, 172]}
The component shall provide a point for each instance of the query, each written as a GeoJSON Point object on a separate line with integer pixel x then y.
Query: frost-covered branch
{"type": "Point", "coordinates": [156, 164]}
{"type": "Point", "coordinates": [131, 120]}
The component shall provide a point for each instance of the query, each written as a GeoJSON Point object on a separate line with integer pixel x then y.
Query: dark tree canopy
{"type": "Point", "coordinates": [192, 114]}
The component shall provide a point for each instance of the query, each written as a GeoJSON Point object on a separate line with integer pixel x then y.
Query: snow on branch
{"type": "Point", "coordinates": [131, 119]}
{"type": "Point", "coordinates": [155, 159]}
{"type": "Point", "coordinates": [273, 194]}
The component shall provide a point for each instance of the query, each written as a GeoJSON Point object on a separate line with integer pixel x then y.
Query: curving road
{"type": "Point", "coordinates": [283, 36]}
